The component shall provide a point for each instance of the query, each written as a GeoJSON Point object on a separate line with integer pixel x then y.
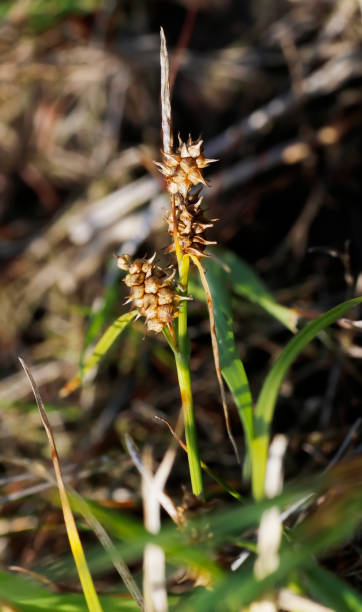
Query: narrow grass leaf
{"type": "Point", "coordinates": [118, 523]}
{"type": "Point", "coordinates": [101, 315]}
{"type": "Point", "coordinates": [323, 530]}
{"type": "Point", "coordinates": [330, 590]}
{"type": "Point", "coordinates": [196, 545]}
{"type": "Point", "coordinates": [102, 347]}
{"type": "Point", "coordinates": [85, 578]}
{"type": "Point", "coordinates": [247, 284]}
{"type": "Point", "coordinates": [184, 547]}
{"type": "Point", "coordinates": [103, 537]}
{"type": "Point", "coordinates": [264, 410]}
{"type": "Point", "coordinates": [231, 365]}
{"type": "Point", "coordinates": [28, 596]}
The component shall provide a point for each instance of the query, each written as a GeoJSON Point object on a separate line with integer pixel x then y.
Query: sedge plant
{"type": "Point", "coordinates": [160, 296]}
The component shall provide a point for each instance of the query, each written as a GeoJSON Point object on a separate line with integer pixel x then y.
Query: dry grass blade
{"type": "Point", "coordinates": [108, 545]}
{"type": "Point", "coordinates": [166, 122]}
{"type": "Point", "coordinates": [85, 577]}
{"type": "Point", "coordinates": [215, 351]}
{"type": "Point", "coordinates": [34, 575]}
{"type": "Point", "coordinates": [173, 432]}
{"type": "Point", "coordinates": [165, 96]}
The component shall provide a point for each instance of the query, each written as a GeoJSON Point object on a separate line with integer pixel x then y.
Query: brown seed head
{"type": "Point", "coordinates": [183, 168]}
{"type": "Point", "coordinates": [152, 291]}
{"type": "Point", "coordinates": [191, 225]}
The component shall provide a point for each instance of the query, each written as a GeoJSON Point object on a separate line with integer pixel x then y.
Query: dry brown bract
{"type": "Point", "coordinates": [152, 291]}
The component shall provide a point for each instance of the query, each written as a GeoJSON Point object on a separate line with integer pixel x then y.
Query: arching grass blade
{"type": "Point", "coordinates": [102, 347]}
{"type": "Point", "coordinates": [247, 284]}
{"type": "Point", "coordinates": [265, 406]}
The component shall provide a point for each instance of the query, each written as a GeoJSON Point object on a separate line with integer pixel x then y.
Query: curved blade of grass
{"type": "Point", "coordinates": [26, 595]}
{"type": "Point", "coordinates": [225, 525]}
{"type": "Point", "coordinates": [265, 406]}
{"type": "Point", "coordinates": [331, 524]}
{"type": "Point", "coordinates": [182, 546]}
{"type": "Point", "coordinates": [85, 577]}
{"type": "Point", "coordinates": [231, 365]}
{"type": "Point", "coordinates": [102, 347]}
{"type": "Point", "coordinates": [247, 284]}
{"type": "Point", "coordinates": [101, 315]}
{"type": "Point", "coordinates": [103, 537]}
{"type": "Point", "coordinates": [331, 590]}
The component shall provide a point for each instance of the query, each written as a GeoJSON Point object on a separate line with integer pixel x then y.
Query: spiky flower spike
{"type": "Point", "coordinates": [191, 225]}
{"type": "Point", "coordinates": [183, 169]}
{"type": "Point", "coordinates": [152, 291]}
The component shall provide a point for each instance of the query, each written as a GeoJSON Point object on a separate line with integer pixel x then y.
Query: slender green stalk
{"type": "Point", "coordinates": [184, 379]}
{"type": "Point", "coordinates": [182, 359]}
{"type": "Point", "coordinates": [183, 336]}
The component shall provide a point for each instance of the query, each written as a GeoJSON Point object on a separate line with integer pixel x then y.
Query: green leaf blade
{"type": "Point", "coordinates": [247, 284]}
{"type": "Point", "coordinates": [232, 368]}
{"type": "Point", "coordinates": [331, 590]}
{"type": "Point", "coordinates": [109, 337]}
{"type": "Point", "coordinates": [102, 347]}
{"type": "Point", "coordinates": [265, 406]}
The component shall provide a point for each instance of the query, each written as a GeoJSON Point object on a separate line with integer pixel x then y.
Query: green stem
{"type": "Point", "coordinates": [183, 336]}
{"type": "Point", "coordinates": [182, 359]}
{"type": "Point", "coordinates": [184, 379]}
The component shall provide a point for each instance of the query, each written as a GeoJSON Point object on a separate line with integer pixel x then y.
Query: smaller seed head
{"type": "Point", "coordinates": [152, 292]}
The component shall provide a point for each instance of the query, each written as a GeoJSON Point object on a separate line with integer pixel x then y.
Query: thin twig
{"type": "Point", "coordinates": [173, 432]}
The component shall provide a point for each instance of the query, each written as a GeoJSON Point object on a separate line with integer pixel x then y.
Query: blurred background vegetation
{"type": "Point", "coordinates": [274, 87]}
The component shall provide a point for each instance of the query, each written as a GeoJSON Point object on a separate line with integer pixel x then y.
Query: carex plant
{"type": "Point", "coordinates": [159, 295]}
{"type": "Point", "coordinates": [156, 293]}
